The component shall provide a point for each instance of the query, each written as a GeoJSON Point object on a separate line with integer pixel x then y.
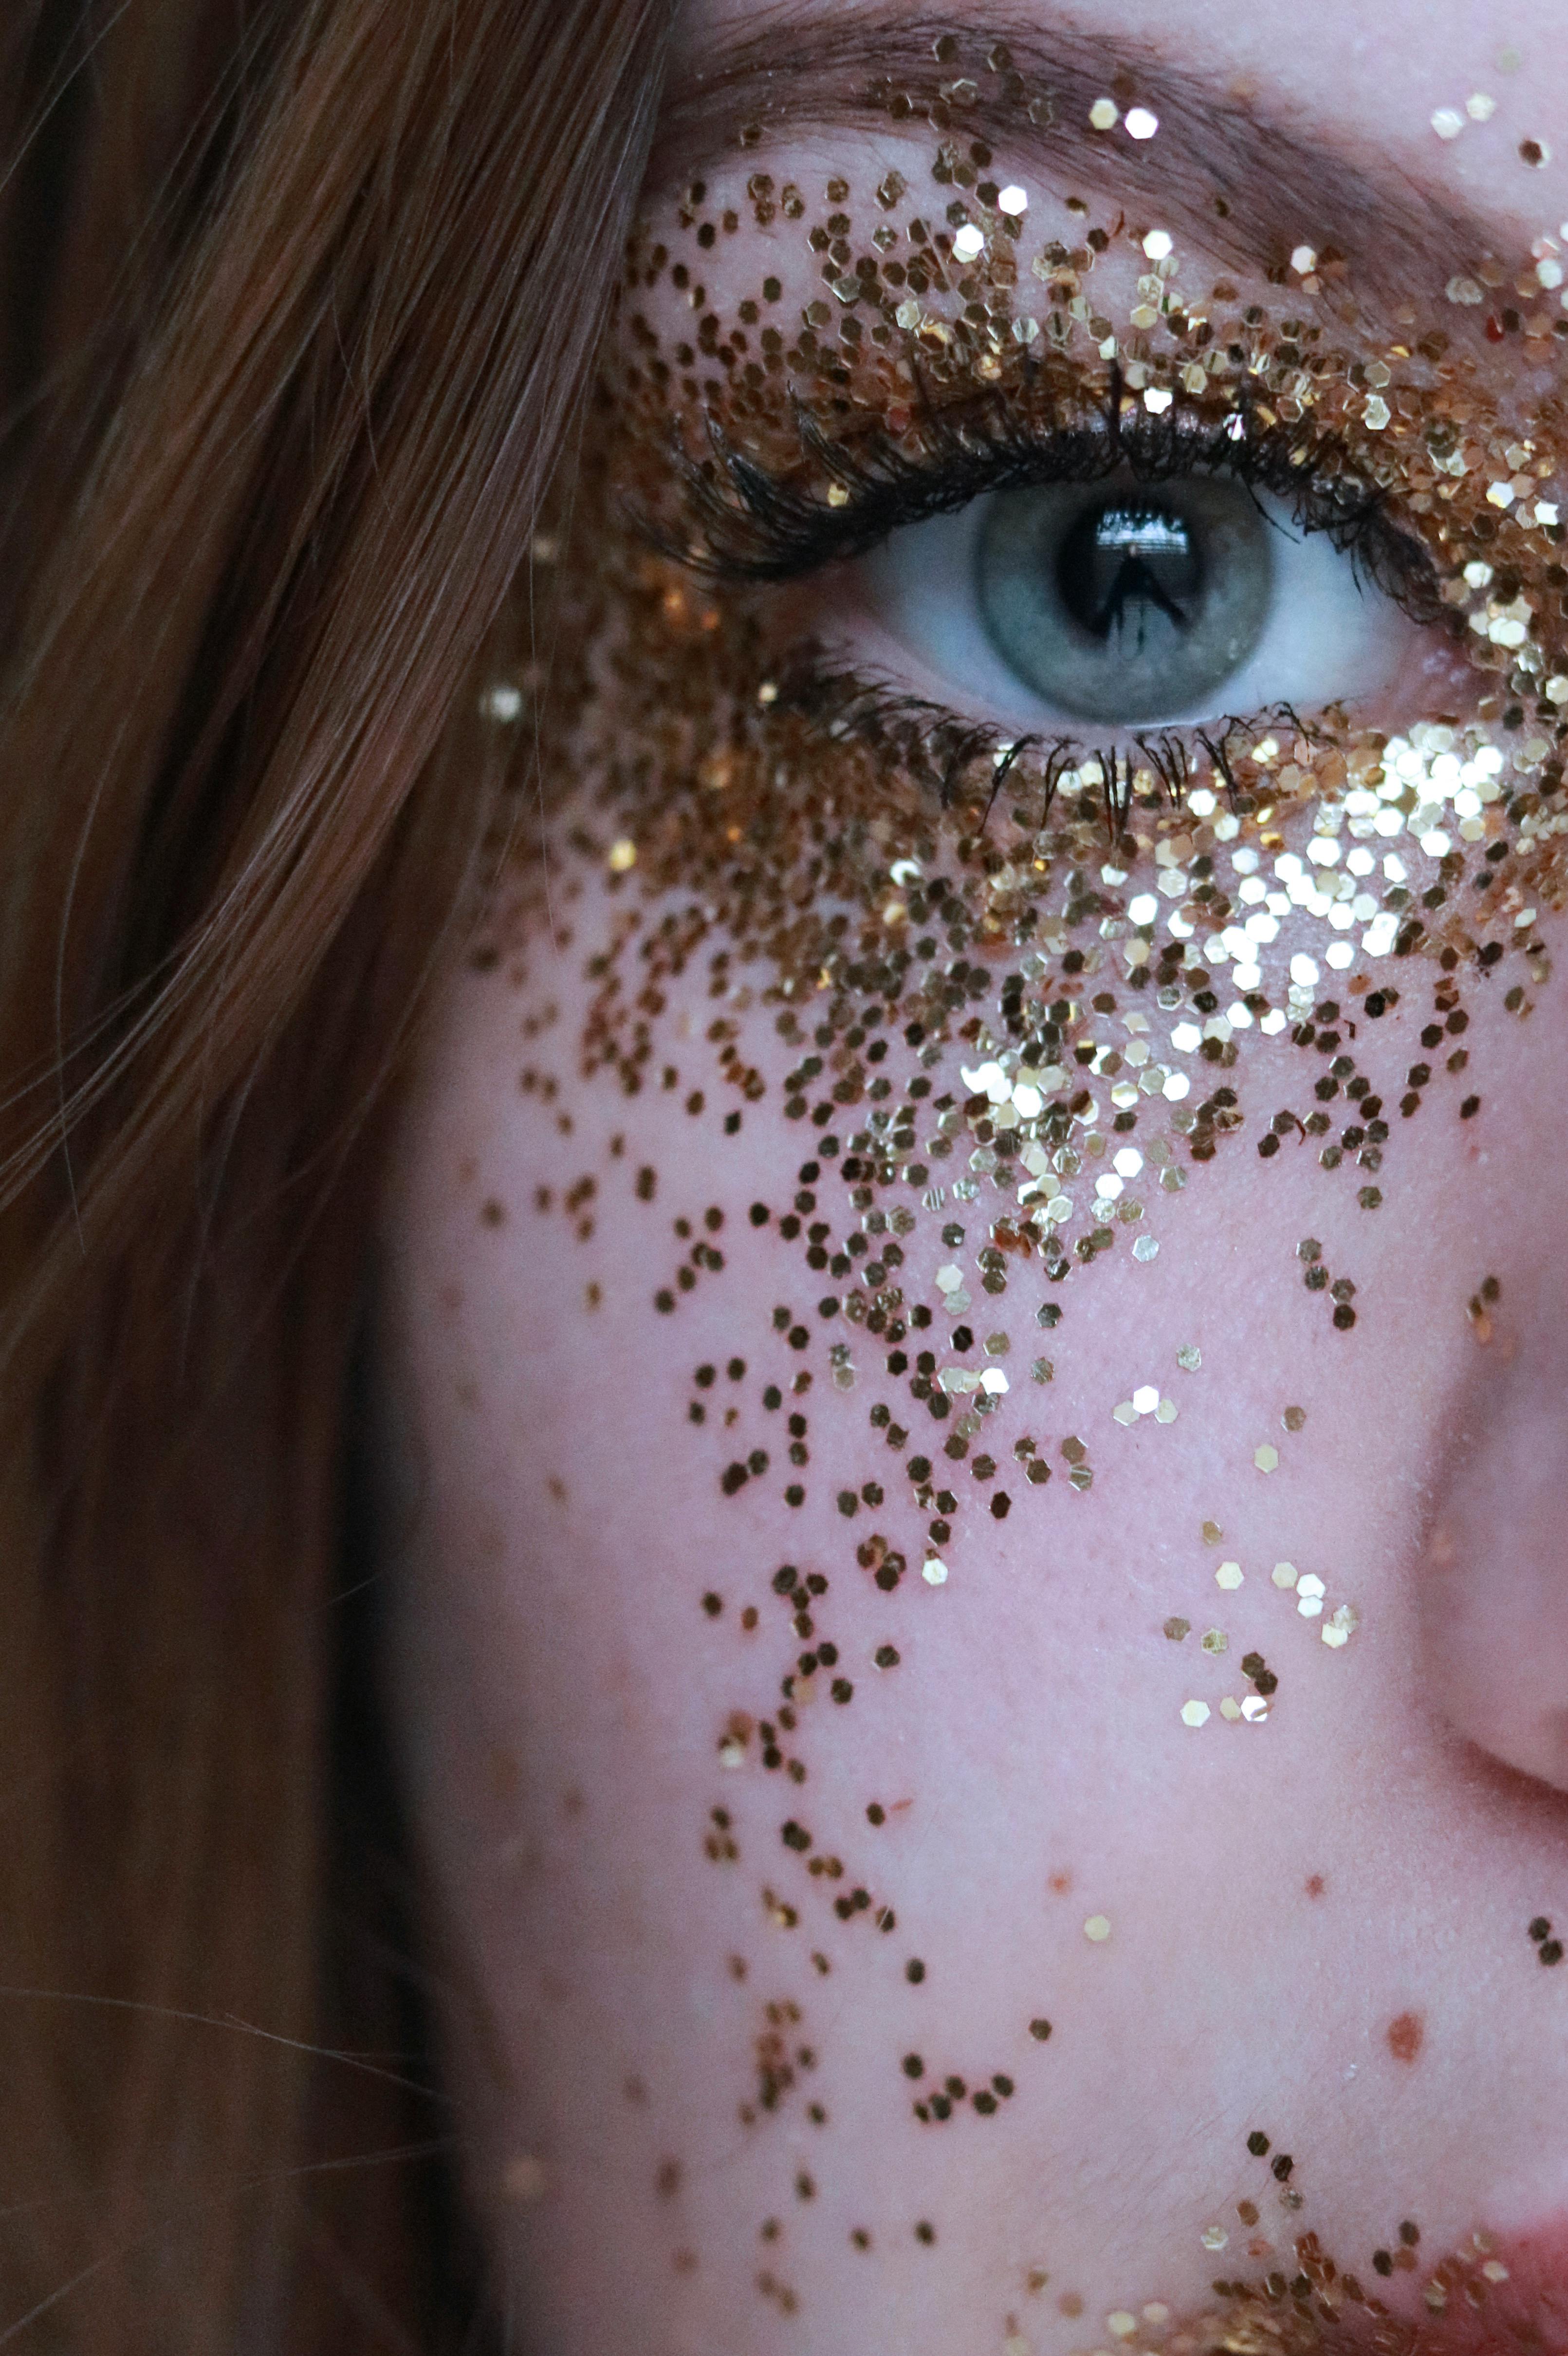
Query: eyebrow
{"type": "Point", "coordinates": [1247, 170]}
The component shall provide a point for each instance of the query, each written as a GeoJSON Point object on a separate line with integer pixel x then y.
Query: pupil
{"type": "Point", "coordinates": [1121, 567]}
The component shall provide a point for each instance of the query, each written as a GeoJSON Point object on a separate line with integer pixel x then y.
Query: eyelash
{"type": "Point", "coordinates": [750, 526]}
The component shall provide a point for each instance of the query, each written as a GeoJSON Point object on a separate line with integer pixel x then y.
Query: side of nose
{"type": "Point", "coordinates": [1493, 1600]}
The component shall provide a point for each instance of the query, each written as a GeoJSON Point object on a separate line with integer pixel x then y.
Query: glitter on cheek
{"type": "Point", "coordinates": [931, 1025]}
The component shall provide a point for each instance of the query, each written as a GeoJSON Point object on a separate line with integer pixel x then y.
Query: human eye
{"type": "Point", "coordinates": [1048, 556]}
{"type": "Point", "coordinates": [1132, 597]}
{"type": "Point", "coordinates": [1124, 575]}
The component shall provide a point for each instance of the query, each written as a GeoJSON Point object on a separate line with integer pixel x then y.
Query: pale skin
{"type": "Point", "coordinates": [1279, 1896]}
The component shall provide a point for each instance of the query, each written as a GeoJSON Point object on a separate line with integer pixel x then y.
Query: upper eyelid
{"type": "Point", "coordinates": [1395, 232]}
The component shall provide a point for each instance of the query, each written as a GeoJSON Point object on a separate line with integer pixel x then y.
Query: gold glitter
{"type": "Point", "coordinates": [1176, 1629]}
{"type": "Point", "coordinates": [1097, 1928]}
{"type": "Point", "coordinates": [1195, 1713]}
{"type": "Point", "coordinates": [622, 856]}
{"type": "Point", "coordinates": [1265, 1457]}
{"type": "Point", "coordinates": [1190, 1357]}
{"type": "Point", "coordinates": [1294, 1418]}
{"type": "Point", "coordinates": [1340, 1626]}
{"type": "Point", "coordinates": [1105, 114]}
{"type": "Point", "coordinates": [1228, 1576]}
{"type": "Point", "coordinates": [1284, 1574]}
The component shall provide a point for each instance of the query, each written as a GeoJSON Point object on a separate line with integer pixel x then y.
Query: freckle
{"type": "Point", "coordinates": [666, 2182]}
{"type": "Point", "coordinates": [525, 2180]}
{"type": "Point", "coordinates": [1405, 2036]}
{"type": "Point", "coordinates": [493, 1214]}
{"type": "Point", "coordinates": [1070, 2304]}
{"type": "Point", "coordinates": [635, 2090]}
{"type": "Point", "coordinates": [1314, 1885]}
{"type": "Point", "coordinates": [557, 1488]}
{"type": "Point", "coordinates": [1061, 1883]}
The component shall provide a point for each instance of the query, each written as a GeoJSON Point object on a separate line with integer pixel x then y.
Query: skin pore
{"type": "Point", "coordinates": [889, 1899]}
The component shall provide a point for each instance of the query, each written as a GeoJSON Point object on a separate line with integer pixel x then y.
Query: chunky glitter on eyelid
{"type": "Point", "coordinates": [951, 933]}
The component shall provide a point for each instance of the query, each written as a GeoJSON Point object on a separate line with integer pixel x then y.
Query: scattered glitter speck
{"type": "Point", "coordinates": [1194, 1713]}
{"type": "Point", "coordinates": [1265, 1457]}
{"type": "Point", "coordinates": [1097, 1928]}
{"type": "Point", "coordinates": [1141, 123]}
{"type": "Point", "coordinates": [1176, 1629]}
{"type": "Point", "coordinates": [1341, 1625]}
{"type": "Point", "coordinates": [1105, 114]}
{"type": "Point", "coordinates": [1214, 2237]}
{"type": "Point", "coordinates": [623, 856]}
{"type": "Point", "coordinates": [1228, 1576]}
{"type": "Point", "coordinates": [1284, 1574]}
{"type": "Point", "coordinates": [1190, 1357]}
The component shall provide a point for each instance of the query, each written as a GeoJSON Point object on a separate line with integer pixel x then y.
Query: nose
{"type": "Point", "coordinates": [1494, 1582]}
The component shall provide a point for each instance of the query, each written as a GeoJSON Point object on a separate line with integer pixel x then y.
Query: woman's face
{"type": "Point", "coordinates": [976, 1354]}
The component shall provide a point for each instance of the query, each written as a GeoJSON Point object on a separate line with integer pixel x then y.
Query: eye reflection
{"type": "Point", "coordinates": [1125, 606]}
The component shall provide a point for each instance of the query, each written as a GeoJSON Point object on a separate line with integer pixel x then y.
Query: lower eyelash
{"type": "Point", "coordinates": [939, 750]}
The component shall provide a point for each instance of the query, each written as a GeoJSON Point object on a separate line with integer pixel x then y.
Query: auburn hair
{"type": "Point", "coordinates": [297, 306]}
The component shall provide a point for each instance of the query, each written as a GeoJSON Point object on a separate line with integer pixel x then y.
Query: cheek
{"type": "Point", "coordinates": [746, 1664]}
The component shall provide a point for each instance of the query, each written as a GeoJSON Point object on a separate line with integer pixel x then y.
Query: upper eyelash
{"type": "Point", "coordinates": [748, 524]}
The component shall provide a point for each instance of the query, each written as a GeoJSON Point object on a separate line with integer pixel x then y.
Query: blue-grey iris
{"type": "Point", "coordinates": [1123, 603]}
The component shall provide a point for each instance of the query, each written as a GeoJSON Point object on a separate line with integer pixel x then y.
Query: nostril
{"type": "Point", "coordinates": [1494, 1586]}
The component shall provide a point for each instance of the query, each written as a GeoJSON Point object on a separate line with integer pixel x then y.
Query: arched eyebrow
{"type": "Point", "coordinates": [1244, 169]}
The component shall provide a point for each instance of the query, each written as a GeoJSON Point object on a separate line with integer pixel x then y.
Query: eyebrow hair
{"type": "Point", "coordinates": [1254, 178]}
